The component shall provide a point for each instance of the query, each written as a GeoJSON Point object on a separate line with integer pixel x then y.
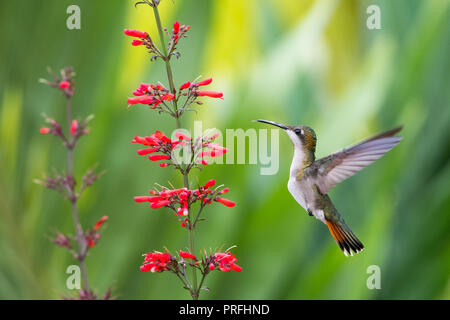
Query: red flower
{"type": "Point", "coordinates": [210, 183]}
{"type": "Point", "coordinates": [100, 222]}
{"type": "Point", "coordinates": [137, 43]}
{"type": "Point", "coordinates": [187, 255]}
{"type": "Point", "coordinates": [64, 84]}
{"type": "Point", "coordinates": [141, 99]}
{"type": "Point", "coordinates": [143, 152]}
{"type": "Point", "coordinates": [156, 262]}
{"type": "Point", "coordinates": [176, 27]}
{"type": "Point", "coordinates": [74, 127]}
{"type": "Point", "coordinates": [226, 262]}
{"type": "Point", "coordinates": [44, 130]}
{"type": "Point", "coordinates": [226, 202]}
{"type": "Point", "coordinates": [135, 33]}
{"type": "Point", "coordinates": [157, 157]}
{"type": "Point", "coordinates": [208, 93]}
{"type": "Point", "coordinates": [204, 82]}
{"type": "Point", "coordinates": [185, 85]}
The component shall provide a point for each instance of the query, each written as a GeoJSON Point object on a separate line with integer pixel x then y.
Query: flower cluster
{"type": "Point", "coordinates": [197, 150]}
{"type": "Point", "coordinates": [91, 238]}
{"type": "Point", "coordinates": [143, 39]}
{"type": "Point", "coordinates": [93, 235]}
{"type": "Point", "coordinates": [64, 81]}
{"type": "Point", "coordinates": [164, 261]}
{"type": "Point", "coordinates": [180, 200]}
{"type": "Point", "coordinates": [157, 96]}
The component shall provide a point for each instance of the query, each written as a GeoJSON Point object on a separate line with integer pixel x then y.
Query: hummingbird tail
{"type": "Point", "coordinates": [344, 237]}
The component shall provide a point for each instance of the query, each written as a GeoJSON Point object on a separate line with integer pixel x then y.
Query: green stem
{"type": "Point", "coordinates": [81, 254]}
{"type": "Point", "coordinates": [167, 62]}
{"type": "Point", "coordinates": [166, 59]}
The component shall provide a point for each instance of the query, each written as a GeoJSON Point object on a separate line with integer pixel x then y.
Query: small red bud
{"type": "Point", "coordinates": [44, 130]}
{"type": "Point", "coordinates": [64, 84]}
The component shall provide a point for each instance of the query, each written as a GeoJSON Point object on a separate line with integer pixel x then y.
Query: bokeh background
{"type": "Point", "coordinates": [297, 62]}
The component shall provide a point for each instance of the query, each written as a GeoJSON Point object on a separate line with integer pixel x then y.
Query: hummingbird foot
{"type": "Point", "coordinates": [310, 213]}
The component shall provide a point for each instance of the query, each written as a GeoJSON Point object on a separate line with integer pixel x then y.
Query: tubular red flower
{"type": "Point", "coordinates": [141, 99]}
{"type": "Point", "coordinates": [208, 93]}
{"type": "Point", "coordinates": [64, 84]}
{"type": "Point", "coordinates": [204, 162]}
{"type": "Point", "coordinates": [226, 202]}
{"type": "Point", "coordinates": [187, 255]}
{"type": "Point", "coordinates": [159, 204]}
{"type": "Point", "coordinates": [143, 152]}
{"type": "Point", "coordinates": [204, 82]}
{"type": "Point", "coordinates": [100, 222]}
{"type": "Point", "coordinates": [142, 198]}
{"type": "Point", "coordinates": [185, 85]}
{"type": "Point", "coordinates": [136, 43]}
{"type": "Point", "coordinates": [176, 27]}
{"type": "Point", "coordinates": [44, 130]}
{"type": "Point", "coordinates": [211, 266]}
{"type": "Point", "coordinates": [157, 157]}
{"type": "Point", "coordinates": [210, 183]}
{"type": "Point", "coordinates": [135, 33]}
{"type": "Point", "coordinates": [164, 164]}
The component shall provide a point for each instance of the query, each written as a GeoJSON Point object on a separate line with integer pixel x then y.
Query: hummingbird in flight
{"type": "Point", "coordinates": [310, 180]}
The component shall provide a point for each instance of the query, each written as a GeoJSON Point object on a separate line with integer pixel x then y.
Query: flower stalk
{"type": "Point", "coordinates": [193, 151]}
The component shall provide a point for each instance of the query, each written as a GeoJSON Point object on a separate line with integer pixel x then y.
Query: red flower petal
{"type": "Point", "coordinates": [157, 157]}
{"type": "Point", "coordinates": [143, 152]}
{"type": "Point", "coordinates": [187, 255]}
{"type": "Point", "coordinates": [204, 82]}
{"type": "Point", "coordinates": [44, 130]}
{"type": "Point", "coordinates": [226, 202]}
{"type": "Point", "coordinates": [207, 93]}
{"type": "Point", "coordinates": [185, 85]}
{"type": "Point", "coordinates": [135, 33]}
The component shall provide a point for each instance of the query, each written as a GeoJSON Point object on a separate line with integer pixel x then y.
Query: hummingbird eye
{"type": "Point", "coordinates": [298, 131]}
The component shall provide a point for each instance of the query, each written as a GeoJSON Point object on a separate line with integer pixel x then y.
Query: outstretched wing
{"type": "Point", "coordinates": [330, 170]}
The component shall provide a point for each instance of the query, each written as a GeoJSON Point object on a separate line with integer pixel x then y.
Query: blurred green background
{"type": "Point", "coordinates": [297, 62]}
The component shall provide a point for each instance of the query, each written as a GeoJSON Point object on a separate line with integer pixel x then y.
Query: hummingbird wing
{"type": "Point", "coordinates": [337, 167]}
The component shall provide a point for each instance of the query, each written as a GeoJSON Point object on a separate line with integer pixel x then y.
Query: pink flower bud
{"type": "Point", "coordinates": [74, 127]}
{"type": "Point", "coordinates": [44, 130]}
{"type": "Point", "coordinates": [211, 266]}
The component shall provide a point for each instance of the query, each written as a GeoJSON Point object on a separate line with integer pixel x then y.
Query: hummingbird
{"type": "Point", "coordinates": [310, 180]}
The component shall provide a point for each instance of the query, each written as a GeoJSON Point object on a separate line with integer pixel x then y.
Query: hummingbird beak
{"type": "Point", "coordinates": [274, 124]}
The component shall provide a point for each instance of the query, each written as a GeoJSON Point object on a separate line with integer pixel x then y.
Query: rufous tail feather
{"type": "Point", "coordinates": [344, 237]}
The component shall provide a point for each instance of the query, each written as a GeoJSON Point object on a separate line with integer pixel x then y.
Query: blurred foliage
{"type": "Point", "coordinates": [297, 62]}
